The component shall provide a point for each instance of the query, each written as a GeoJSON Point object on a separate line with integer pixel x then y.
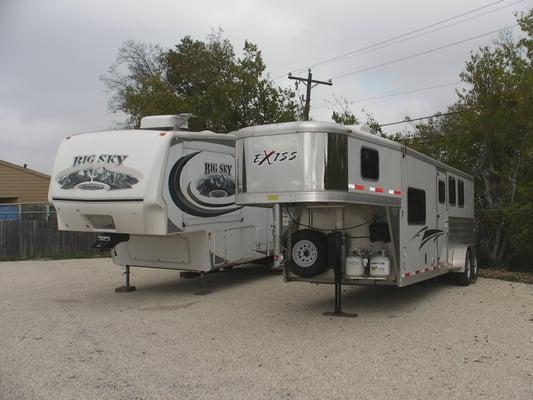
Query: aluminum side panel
{"type": "Point", "coordinates": [290, 163]}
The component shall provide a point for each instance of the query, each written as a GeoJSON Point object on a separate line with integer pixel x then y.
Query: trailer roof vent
{"type": "Point", "coordinates": [178, 122]}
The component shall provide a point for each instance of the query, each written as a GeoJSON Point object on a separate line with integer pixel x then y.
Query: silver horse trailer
{"type": "Point", "coordinates": [354, 208]}
{"type": "Point", "coordinates": [158, 197]}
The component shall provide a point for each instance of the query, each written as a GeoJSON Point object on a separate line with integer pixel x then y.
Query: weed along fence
{"type": "Point", "coordinates": [30, 231]}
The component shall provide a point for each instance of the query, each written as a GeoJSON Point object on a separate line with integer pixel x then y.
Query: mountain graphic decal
{"type": "Point", "coordinates": [98, 177]}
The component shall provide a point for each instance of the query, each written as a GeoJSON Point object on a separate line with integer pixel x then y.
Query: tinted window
{"type": "Point", "coordinates": [416, 206]}
{"type": "Point", "coordinates": [451, 191]}
{"type": "Point", "coordinates": [442, 192]}
{"type": "Point", "coordinates": [461, 193]}
{"type": "Point", "coordinates": [336, 171]}
{"type": "Point", "coordinates": [369, 164]}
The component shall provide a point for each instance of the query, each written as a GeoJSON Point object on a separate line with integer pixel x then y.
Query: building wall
{"type": "Point", "coordinates": [22, 185]}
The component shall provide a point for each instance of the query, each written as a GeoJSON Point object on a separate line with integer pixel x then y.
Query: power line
{"type": "Point", "coordinates": [392, 42]}
{"type": "Point", "coordinates": [421, 118]}
{"type": "Point", "coordinates": [394, 38]}
{"type": "Point", "coordinates": [422, 53]}
{"type": "Point", "coordinates": [437, 115]}
{"type": "Point", "coordinates": [444, 138]}
{"type": "Point", "coordinates": [428, 32]}
{"type": "Point", "coordinates": [398, 93]}
{"type": "Point", "coordinates": [409, 57]}
{"type": "Point", "coordinates": [427, 141]}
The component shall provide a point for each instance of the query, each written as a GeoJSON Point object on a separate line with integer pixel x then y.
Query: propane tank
{"type": "Point", "coordinates": [380, 265]}
{"type": "Point", "coordinates": [355, 267]}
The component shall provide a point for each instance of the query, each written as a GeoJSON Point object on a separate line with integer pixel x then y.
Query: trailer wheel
{"type": "Point", "coordinates": [473, 266]}
{"type": "Point", "coordinates": [309, 253]}
{"type": "Point", "coordinates": [463, 278]}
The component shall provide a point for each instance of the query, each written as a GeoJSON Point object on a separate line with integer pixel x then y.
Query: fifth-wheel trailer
{"type": "Point", "coordinates": [351, 207]}
{"type": "Point", "coordinates": [159, 197]}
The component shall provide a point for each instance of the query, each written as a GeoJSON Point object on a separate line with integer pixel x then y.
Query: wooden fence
{"type": "Point", "coordinates": [40, 238]}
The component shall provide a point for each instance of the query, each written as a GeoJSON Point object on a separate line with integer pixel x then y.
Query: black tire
{"type": "Point", "coordinates": [309, 253]}
{"type": "Point", "coordinates": [463, 278]}
{"type": "Point", "coordinates": [473, 266]}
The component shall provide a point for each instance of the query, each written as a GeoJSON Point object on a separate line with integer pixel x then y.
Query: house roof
{"type": "Point", "coordinates": [27, 170]}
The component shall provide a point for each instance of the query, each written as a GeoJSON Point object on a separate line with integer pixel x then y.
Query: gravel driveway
{"type": "Point", "coordinates": [65, 334]}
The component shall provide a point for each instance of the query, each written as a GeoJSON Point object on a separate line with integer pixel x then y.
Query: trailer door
{"type": "Point", "coordinates": [442, 219]}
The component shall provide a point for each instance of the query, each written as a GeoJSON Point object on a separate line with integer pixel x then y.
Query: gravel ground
{"type": "Point", "coordinates": [65, 334]}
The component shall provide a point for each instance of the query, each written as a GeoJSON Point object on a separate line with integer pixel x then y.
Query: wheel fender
{"type": "Point", "coordinates": [458, 257]}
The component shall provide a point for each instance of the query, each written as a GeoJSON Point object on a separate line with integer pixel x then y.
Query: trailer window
{"type": "Point", "coordinates": [451, 191]}
{"type": "Point", "coordinates": [369, 164]}
{"type": "Point", "coordinates": [442, 192]}
{"type": "Point", "coordinates": [461, 193]}
{"type": "Point", "coordinates": [336, 168]}
{"type": "Point", "coordinates": [416, 206]}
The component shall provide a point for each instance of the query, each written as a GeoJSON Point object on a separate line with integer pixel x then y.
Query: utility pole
{"type": "Point", "coordinates": [310, 83]}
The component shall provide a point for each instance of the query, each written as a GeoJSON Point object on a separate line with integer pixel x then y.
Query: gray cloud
{"type": "Point", "coordinates": [52, 53]}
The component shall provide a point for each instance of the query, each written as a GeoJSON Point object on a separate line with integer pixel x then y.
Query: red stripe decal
{"type": "Point", "coordinates": [379, 190]}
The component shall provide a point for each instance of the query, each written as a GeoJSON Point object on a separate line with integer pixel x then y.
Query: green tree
{"type": "Point", "coordinates": [223, 92]}
{"type": "Point", "coordinates": [489, 134]}
{"type": "Point", "coordinates": [344, 118]}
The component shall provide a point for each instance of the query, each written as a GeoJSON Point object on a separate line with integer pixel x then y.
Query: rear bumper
{"type": "Point", "coordinates": [129, 216]}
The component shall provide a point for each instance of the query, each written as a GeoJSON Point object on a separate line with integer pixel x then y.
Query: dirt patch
{"type": "Point", "coordinates": [256, 337]}
{"type": "Point", "coordinates": [66, 301]}
{"type": "Point", "coordinates": [171, 307]}
{"type": "Point", "coordinates": [523, 277]}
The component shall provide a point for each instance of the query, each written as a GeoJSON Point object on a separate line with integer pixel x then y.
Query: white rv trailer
{"type": "Point", "coordinates": [354, 208]}
{"type": "Point", "coordinates": [158, 197]}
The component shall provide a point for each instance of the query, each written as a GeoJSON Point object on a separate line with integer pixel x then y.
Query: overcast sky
{"type": "Point", "coordinates": [53, 52]}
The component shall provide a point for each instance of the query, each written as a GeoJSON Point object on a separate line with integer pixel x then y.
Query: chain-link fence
{"type": "Point", "coordinates": [30, 231]}
{"type": "Point", "coordinates": [27, 212]}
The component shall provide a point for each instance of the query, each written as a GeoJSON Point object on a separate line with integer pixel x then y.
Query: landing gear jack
{"type": "Point", "coordinates": [203, 290]}
{"type": "Point", "coordinates": [126, 288]}
{"type": "Point", "coordinates": [334, 251]}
